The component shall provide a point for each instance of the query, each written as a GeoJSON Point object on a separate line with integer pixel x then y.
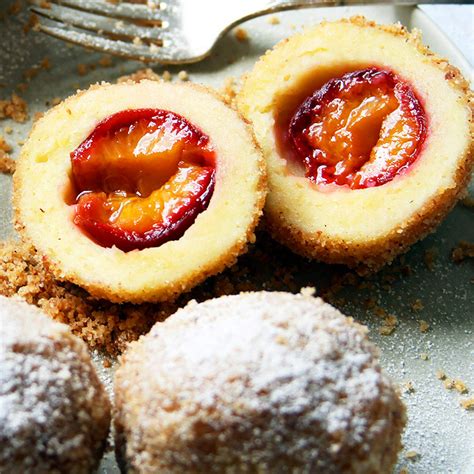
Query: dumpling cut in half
{"type": "Point", "coordinates": [367, 137]}
{"type": "Point", "coordinates": [137, 192]}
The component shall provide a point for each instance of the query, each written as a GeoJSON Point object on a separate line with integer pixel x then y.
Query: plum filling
{"type": "Point", "coordinates": [359, 130]}
{"type": "Point", "coordinates": [141, 178]}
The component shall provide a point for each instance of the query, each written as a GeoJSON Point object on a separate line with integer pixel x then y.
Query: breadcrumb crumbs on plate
{"type": "Point", "coordinates": [273, 20]}
{"type": "Point", "coordinates": [417, 305]}
{"type": "Point", "coordinates": [8, 130]}
{"type": "Point", "coordinates": [308, 291]}
{"type": "Point", "coordinates": [4, 146]}
{"type": "Point", "coordinates": [424, 356]}
{"type": "Point", "coordinates": [15, 8]}
{"type": "Point", "coordinates": [462, 251]}
{"type": "Point", "coordinates": [45, 63]}
{"type": "Point", "coordinates": [460, 387]}
{"type": "Point", "coordinates": [183, 76]}
{"type": "Point", "coordinates": [386, 330]}
{"type": "Point", "coordinates": [109, 327]}
{"type": "Point", "coordinates": [440, 375]}
{"type": "Point", "coordinates": [468, 201]}
{"type": "Point", "coordinates": [467, 403]}
{"type": "Point", "coordinates": [101, 324]}
{"type": "Point", "coordinates": [105, 61]}
{"type": "Point", "coordinates": [14, 108]}
{"type": "Point", "coordinates": [423, 325]}
{"type": "Point", "coordinates": [241, 34]}
{"type": "Point", "coordinates": [430, 257]}
{"type": "Point", "coordinates": [408, 387]}
{"type": "Point", "coordinates": [7, 163]}
{"type": "Point", "coordinates": [404, 470]}
{"type": "Point", "coordinates": [229, 91]}
{"type": "Point", "coordinates": [82, 69]}
{"type": "Point", "coordinates": [412, 455]}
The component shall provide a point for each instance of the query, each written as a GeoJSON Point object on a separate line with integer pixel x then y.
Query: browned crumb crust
{"type": "Point", "coordinates": [173, 290]}
{"type": "Point", "coordinates": [370, 256]}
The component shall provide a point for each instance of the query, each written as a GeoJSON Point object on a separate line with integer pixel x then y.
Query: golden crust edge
{"type": "Point", "coordinates": [175, 289]}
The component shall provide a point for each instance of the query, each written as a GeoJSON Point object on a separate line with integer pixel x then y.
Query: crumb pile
{"type": "Point", "coordinates": [54, 413]}
{"type": "Point", "coordinates": [260, 382]}
{"type": "Point", "coordinates": [103, 325]}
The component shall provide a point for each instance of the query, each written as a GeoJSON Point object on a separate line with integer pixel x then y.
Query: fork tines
{"type": "Point", "coordinates": [124, 29]}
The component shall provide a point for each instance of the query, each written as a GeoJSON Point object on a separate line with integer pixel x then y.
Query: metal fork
{"type": "Point", "coordinates": [168, 32]}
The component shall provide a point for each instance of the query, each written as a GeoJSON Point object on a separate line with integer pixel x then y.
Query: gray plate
{"type": "Point", "coordinates": [438, 428]}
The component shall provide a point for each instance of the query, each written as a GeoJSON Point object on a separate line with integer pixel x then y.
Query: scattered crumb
{"type": "Point", "coordinates": [166, 76]}
{"type": "Point", "coordinates": [448, 383]}
{"type": "Point", "coordinates": [430, 258]}
{"type": "Point", "coordinates": [22, 86]}
{"type": "Point", "coordinates": [106, 364]}
{"type": "Point", "coordinates": [14, 108]}
{"type": "Point", "coordinates": [440, 375]}
{"type": "Point", "coordinates": [308, 291]}
{"type": "Point", "coordinates": [241, 34]}
{"type": "Point", "coordinates": [15, 8]}
{"type": "Point", "coordinates": [408, 387]}
{"type": "Point", "coordinates": [404, 470]}
{"type": "Point", "coordinates": [462, 251]}
{"type": "Point", "coordinates": [423, 325]}
{"type": "Point", "coordinates": [273, 20]}
{"type": "Point", "coordinates": [390, 322]}
{"type": "Point", "coordinates": [417, 305]}
{"type": "Point", "coordinates": [183, 76]}
{"type": "Point", "coordinates": [4, 146]}
{"type": "Point", "coordinates": [139, 75]}
{"type": "Point", "coordinates": [7, 164]}
{"type": "Point", "coordinates": [467, 403]}
{"type": "Point", "coordinates": [468, 201]}
{"type": "Point", "coordinates": [8, 130]}
{"type": "Point", "coordinates": [82, 69]}
{"type": "Point", "coordinates": [424, 356]}
{"type": "Point", "coordinates": [137, 41]}
{"type": "Point", "coordinates": [228, 91]}
{"type": "Point", "coordinates": [20, 142]}
{"type": "Point", "coordinates": [460, 387]}
{"type": "Point", "coordinates": [412, 455]}
{"type": "Point", "coordinates": [386, 330]}
{"type": "Point", "coordinates": [45, 63]}
{"type": "Point", "coordinates": [105, 61]}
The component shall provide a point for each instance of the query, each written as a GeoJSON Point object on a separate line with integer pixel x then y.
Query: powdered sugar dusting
{"type": "Point", "coordinates": [54, 414]}
{"type": "Point", "coordinates": [263, 378]}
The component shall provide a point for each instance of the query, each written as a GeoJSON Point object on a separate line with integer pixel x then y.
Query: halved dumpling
{"type": "Point", "coordinates": [367, 137]}
{"type": "Point", "coordinates": [137, 192]}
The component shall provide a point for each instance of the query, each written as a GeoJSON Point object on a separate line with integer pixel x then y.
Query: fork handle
{"type": "Point", "coordinates": [237, 12]}
{"type": "Point", "coordinates": [280, 5]}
